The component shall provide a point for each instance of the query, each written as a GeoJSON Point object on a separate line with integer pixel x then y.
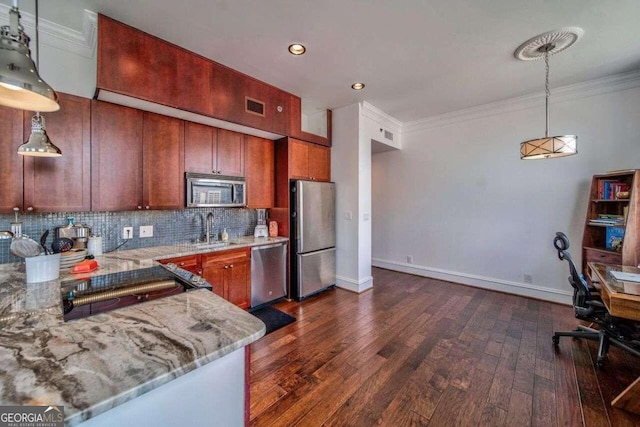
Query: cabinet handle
{"type": "Point", "coordinates": [231, 266]}
{"type": "Point", "coordinates": [139, 207]}
{"type": "Point", "coordinates": [30, 209]}
{"type": "Point", "coordinates": [226, 266]}
{"type": "Point", "coordinates": [182, 263]}
{"type": "Point", "coordinates": [146, 207]}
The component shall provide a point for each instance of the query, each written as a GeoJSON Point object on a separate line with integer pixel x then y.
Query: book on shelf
{"type": "Point", "coordinates": [613, 238]}
{"type": "Point", "coordinates": [608, 189]}
{"type": "Point", "coordinates": [608, 219]}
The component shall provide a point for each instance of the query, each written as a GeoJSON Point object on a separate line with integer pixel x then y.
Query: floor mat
{"type": "Point", "coordinates": [273, 318]}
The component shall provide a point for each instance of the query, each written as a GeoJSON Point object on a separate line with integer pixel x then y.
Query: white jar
{"type": "Point", "coordinates": [94, 246]}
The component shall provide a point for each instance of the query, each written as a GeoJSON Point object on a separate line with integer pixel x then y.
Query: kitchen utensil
{"type": "Point", "coordinates": [25, 247]}
{"type": "Point", "coordinates": [43, 241]}
{"type": "Point", "coordinates": [4, 234]}
{"type": "Point", "coordinates": [61, 244]}
{"type": "Point", "coordinates": [16, 226]}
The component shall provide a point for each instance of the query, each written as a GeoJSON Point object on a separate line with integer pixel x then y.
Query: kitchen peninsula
{"type": "Point", "coordinates": [169, 358]}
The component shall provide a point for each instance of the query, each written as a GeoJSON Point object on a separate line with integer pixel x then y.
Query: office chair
{"type": "Point", "coordinates": [589, 307]}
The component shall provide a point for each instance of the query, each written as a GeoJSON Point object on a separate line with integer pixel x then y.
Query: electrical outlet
{"type": "Point", "coordinates": [528, 278]}
{"type": "Point", "coordinates": [127, 233]}
{"type": "Point", "coordinates": [409, 259]}
{"type": "Point", "coordinates": [146, 231]}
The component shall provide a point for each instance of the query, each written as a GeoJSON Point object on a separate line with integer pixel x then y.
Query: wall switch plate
{"type": "Point", "coordinates": [127, 233]}
{"type": "Point", "coordinates": [409, 259]}
{"type": "Point", "coordinates": [528, 278]}
{"type": "Point", "coordinates": [365, 217]}
{"type": "Point", "coordinates": [146, 231]}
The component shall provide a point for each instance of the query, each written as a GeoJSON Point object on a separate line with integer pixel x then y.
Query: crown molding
{"type": "Point", "coordinates": [82, 43]}
{"type": "Point", "coordinates": [380, 117]}
{"type": "Point", "coordinates": [586, 89]}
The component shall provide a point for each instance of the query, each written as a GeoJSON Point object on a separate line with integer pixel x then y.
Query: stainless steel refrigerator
{"type": "Point", "coordinates": [313, 237]}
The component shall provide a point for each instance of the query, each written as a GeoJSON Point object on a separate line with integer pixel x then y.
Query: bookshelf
{"type": "Point", "coordinates": [612, 226]}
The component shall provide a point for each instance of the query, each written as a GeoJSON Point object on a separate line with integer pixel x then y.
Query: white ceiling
{"type": "Point", "coordinates": [418, 58]}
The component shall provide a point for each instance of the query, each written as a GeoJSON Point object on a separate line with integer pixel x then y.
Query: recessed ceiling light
{"type": "Point", "coordinates": [297, 49]}
{"type": "Point", "coordinates": [357, 86]}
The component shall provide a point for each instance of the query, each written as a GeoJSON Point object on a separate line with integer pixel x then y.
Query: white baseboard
{"type": "Point", "coordinates": [527, 290]}
{"type": "Point", "coordinates": [357, 286]}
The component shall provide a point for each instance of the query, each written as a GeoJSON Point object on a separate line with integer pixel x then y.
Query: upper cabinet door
{"type": "Point", "coordinates": [299, 159]}
{"type": "Point", "coordinates": [230, 153]}
{"type": "Point", "coordinates": [315, 127]}
{"type": "Point", "coordinates": [124, 60]}
{"type": "Point", "coordinates": [163, 162]}
{"type": "Point", "coordinates": [199, 148]}
{"type": "Point", "coordinates": [61, 184]}
{"type": "Point", "coordinates": [260, 172]}
{"type": "Point", "coordinates": [11, 138]}
{"type": "Point", "coordinates": [116, 157]}
{"type": "Point", "coordinates": [319, 163]}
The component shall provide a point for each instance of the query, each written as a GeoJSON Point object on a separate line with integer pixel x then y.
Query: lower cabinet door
{"type": "Point", "coordinates": [238, 283]}
{"type": "Point", "coordinates": [215, 276]}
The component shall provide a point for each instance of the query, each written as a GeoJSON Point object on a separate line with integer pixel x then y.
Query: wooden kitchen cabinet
{"type": "Point", "coordinates": [139, 65]}
{"type": "Point", "coordinates": [61, 184]}
{"type": "Point", "coordinates": [210, 150]}
{"type": "Point", "coordinates": [116, 157]}
{"type": "Point", "coordinates": [137, 159]}
{"type": "Point", "coordinates": [260, 172]}
{"type": "Point", "coordinates": [229, 273]}
{"type": "Point", "coordinates": [11, 163]}
{"type": "Point", "coordinates": [309, 161]}
{"type": "Point", "coordinates": [163, 162]}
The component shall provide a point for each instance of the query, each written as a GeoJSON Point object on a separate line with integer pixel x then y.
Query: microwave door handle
{"type": "Point", "coordinates": [233, 193]}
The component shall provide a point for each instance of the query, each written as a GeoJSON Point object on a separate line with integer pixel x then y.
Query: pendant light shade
{"type": "Point", "coordinates": [20, 84]}
{"type": "Point", "coordinates": [539, 47]}
{"type": "Point", "coordinates": [39, 144]}
{"type": "Point", "coordinates": [545, 148]}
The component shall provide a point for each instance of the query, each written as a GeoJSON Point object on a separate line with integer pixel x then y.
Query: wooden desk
{"type": "Point", "coordinates": [622, 299]}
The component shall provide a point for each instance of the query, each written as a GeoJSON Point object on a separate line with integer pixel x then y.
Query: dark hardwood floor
{"type": "Point", "coordinates": [418, 351]}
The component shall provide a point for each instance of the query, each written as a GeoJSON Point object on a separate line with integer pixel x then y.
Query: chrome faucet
{"type": "Point", "coordinates": [209, 225]}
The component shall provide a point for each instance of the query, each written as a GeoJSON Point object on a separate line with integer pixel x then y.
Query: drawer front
{"type": "Point", "coordinates": [190, 263]}
{"type": "Point", "coordinates": [225, 257]}
{"type": "Point", "coordinates": [592, 255]}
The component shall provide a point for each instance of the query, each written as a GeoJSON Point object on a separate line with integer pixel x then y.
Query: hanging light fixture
{"type": "Point", "coordinates": [20, 84]}
{"type": "Point", "coordinates": [39, 144]}
{"type": "Point", "coordinates": [541, 47]}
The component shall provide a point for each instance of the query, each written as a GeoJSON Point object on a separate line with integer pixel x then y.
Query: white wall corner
{"type": "Point", "coordinates": [515, 288]}
{"type": "Point", "coordinates": [379, 116]}
{"type": "Point", "coordinates": [586, 89]}
{"type": "Point", "coordinates": [357, 286]}
{"type": "Point", "coordinates": [81, 43]}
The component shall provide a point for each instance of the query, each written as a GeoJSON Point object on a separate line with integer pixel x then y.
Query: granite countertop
{"type": "Point", "coordinates": [94, 364]}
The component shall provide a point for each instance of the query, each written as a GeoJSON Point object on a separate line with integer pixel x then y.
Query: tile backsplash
{"type": "Point", "coordinates": [169, 227]}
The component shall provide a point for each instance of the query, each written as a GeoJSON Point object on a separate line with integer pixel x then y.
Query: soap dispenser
{"type": "Point", "coordinates": [225, 236]}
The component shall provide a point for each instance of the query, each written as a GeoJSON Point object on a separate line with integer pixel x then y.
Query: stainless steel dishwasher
{"type": "Point", "coordinates": [268, 273]}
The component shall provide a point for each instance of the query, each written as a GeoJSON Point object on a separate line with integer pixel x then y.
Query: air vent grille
{"type": "Point", "coordinates": [388, 135]}
{"type": "Point", "coordinates": [253, 106]}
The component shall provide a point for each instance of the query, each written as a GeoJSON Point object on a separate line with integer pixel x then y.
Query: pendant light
{"type": "Point", "coordinates": [542, 47]}
{"type": "Point", "coordinates": [39, 144]}
{"type": "Point", "coordinates": [20, 84]}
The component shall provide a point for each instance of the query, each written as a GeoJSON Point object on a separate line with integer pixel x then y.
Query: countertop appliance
{"type": "Point", "coordinates": [261, 229]}
{"type": "Point", "coordinates": [268, 273]}
{"type": "Point", "coordinates": [212, 191]}
{"type": "Point", "coordinates": [313, 237]}
{"type": "Point", "coordinates": [77, 232]}
{"type": "Point", "coordinates": [93, 295]}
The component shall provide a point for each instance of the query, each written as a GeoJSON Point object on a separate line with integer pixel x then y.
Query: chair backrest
{"type": "Point", "coordinates": [581, 292]}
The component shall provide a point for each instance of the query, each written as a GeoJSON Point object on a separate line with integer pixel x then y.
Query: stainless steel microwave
{"type": "Point", "coordinates": [213, 191]}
